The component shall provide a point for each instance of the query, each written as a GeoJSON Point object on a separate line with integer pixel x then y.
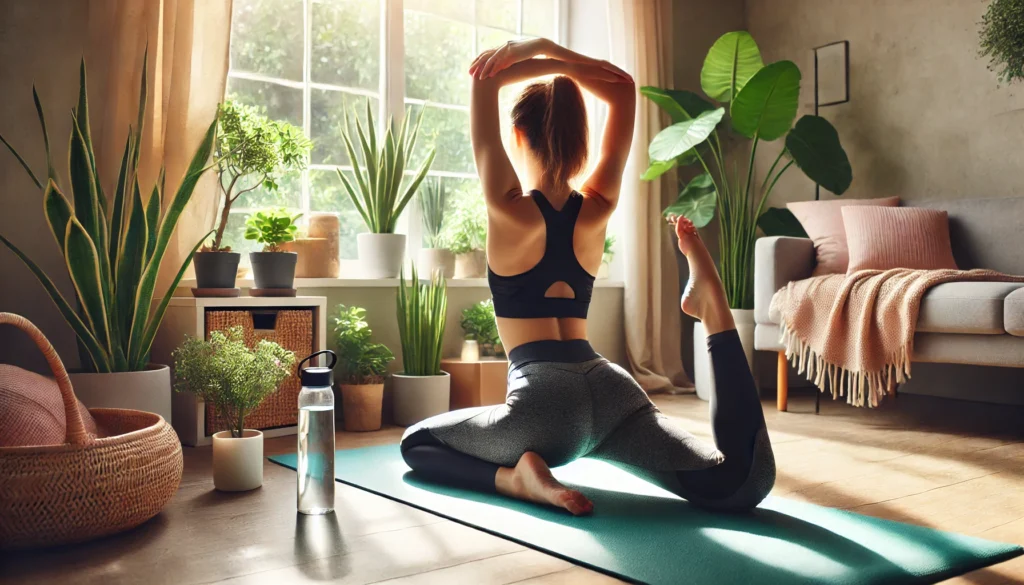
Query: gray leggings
{"type": "Point", "coordinates": [564, 402]}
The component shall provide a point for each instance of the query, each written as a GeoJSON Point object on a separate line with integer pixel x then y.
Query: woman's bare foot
{"type": "Point", "coordinates": [531, 480]}
{"type": "Point", "coordinates": [704, 297]}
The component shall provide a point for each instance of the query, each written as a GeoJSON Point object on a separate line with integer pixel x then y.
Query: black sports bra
{"type": "Point", "coordinates": [522, 296]}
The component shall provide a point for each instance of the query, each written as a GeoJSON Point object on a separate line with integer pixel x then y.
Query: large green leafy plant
{"type": "Point", "coordinates": [226, 373]}
{"type": "Point", "coordinates": [253, 151]}
{"type": "Point", "coordinates": [377, 194]}
{"type": "Point", "coordinates": [112, 246]}
{"type": "Point", "coordinates": [758, 102]}
{"type": "Point", "coordinates": [360, 361]}
{"type": "Point", "coordinates": [1002, 38]}
{"type": "Point", "coordinates": [421, 322]}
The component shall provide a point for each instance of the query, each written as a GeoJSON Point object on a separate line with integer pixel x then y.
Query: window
{"type": "Point", "coordinates": [305, 61]}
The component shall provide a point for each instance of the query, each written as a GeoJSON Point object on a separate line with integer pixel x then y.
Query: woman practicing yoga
{"type": "Point", "coordinates": [544, 245]}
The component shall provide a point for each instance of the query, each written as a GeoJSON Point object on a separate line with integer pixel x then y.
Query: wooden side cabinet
{"type": "Point", "coordinates": [296, 323]}
{"type": "Point", "coordinates": [477, 383]}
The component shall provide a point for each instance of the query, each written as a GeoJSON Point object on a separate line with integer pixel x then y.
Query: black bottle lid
{"type": "Point", "coordinates": [315, 376]}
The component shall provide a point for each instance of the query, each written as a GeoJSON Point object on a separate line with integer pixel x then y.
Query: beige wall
{"type": "Point", "coordinates": [40, 42]}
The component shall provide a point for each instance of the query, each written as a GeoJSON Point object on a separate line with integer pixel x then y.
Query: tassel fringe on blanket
{"type": "Point", "coordinates": [853, 335]}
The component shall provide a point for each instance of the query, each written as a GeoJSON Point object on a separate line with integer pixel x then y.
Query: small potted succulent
{"type": "Point", "coordinates": [481, 330]}
{"type": "Point", "coordinates": [607, 257]}
{"type": "Point", "coordinates": [253, 151]}
{"type": "Point", "coordinates": [235, 379]}
{"type": "Point", "coordinates": [272, 268]}
{"type": "Point", "coordinates": [422, 389]}
{"type": "Point", "coordinates": [376, 191]}
{"type": "Point", "coordinates": [361, 368]}
{"type": "Point", "coordinates": [435, 255]}
{"type": "Point", "coordinates": [467, 240]}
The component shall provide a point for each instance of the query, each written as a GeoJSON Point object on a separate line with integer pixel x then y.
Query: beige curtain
{"type": "Point", "coordinates": [641, 42]}
{"type": "Point", "coordinates": [187, 70]}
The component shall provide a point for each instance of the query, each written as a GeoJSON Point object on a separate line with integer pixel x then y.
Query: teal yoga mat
{"type": "Point", "coordinates": [641, 533]}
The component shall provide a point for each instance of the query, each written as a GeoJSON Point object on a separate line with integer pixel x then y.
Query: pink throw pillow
{"type": "Point", "coordinates": [881, 238]}
{"type": "Point", "coordinates": [823, 222]}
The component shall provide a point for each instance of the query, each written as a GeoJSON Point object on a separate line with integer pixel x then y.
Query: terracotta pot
{"type": "Point", "coordinates": [361, 404]}
{"type": "Point", "coordinates": [471, 264]}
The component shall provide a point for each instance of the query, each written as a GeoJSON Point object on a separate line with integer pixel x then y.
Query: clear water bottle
{"type": "Point", "coordinates": [316, 437]}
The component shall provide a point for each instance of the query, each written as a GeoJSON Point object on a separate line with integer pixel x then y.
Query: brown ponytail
{"type": "Point", "coordinates": [553, 118]}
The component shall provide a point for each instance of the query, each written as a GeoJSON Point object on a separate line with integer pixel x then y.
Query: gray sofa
{"type": "Point", "coordinates": [979, 323]}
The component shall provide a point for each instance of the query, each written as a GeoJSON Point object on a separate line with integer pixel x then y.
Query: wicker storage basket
{"type": "Point", "coordinates": [89, 486]}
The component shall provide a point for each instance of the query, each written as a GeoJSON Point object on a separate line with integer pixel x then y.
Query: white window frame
{"type": "Point", "coordinates": [391, 99]}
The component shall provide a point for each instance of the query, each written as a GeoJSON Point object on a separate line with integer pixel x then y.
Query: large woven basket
{"type": "Point", "coordinates": [89, 486]}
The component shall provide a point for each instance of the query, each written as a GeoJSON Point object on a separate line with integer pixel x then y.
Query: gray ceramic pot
{"type": "Point", "coordinates": [273, 269]}
{"type": "Point", "coordinates": [216, 269]}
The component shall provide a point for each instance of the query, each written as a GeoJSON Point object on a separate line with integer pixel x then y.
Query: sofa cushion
{"type": "Point", "coordinates": [966, 307]}
{"type": "Point", "coordinates": [1013, 313]}
{"type": "Point", "coordinates": [823, 222]}
{"type": "Point", "coordinates": [881, 238]}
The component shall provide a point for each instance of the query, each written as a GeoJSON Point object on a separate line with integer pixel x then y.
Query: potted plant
{"type": "Point", "coordinates": [272, 268]}
{"type": "Point", "coordinates": [480, 328]}
{"type": "Point", "coordinates": [421, 390]}
{"type": "Point", "coordinates": [253, 151]}
{"type": "Point", "coordinates": [467, 240]}
{"type": "Point", "coordinates": [113, 242]}
{"type": "Point", "coordinates": [607, 257]}
{"type": "Point", "coordinates": [361, 368]}
{"type": "Point", "coordinates": [235, 379]}
{"type": "Point", "coordinates": [1002, 39]}
{"type": "Point", "coordinates": [435, 255]}
{"type": "Point", "coordinates": [377, 194]}
{"type": "Point", "coordinates": [762, 101]}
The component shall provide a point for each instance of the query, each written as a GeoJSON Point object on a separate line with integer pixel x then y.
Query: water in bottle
{"type": "Point", "coordinates": [316, 438]}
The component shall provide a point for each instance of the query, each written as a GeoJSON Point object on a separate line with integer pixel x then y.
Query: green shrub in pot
{"type": "Point", "coordinates": [478, 324]}
{"type": "Point", "coordinates": [467, 239]}
{"type": "Point", "coordinates": [361, 368]}
{"type": "Point", "coordinates": [273, 267]}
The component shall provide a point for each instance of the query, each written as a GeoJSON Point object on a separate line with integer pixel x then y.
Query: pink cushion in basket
{"type": "Point", "coordinates": [823, 222]}
{"type": "Point", "coordinates": [881, 238]}
{"type": "Point", "coordinates": [31, 410]}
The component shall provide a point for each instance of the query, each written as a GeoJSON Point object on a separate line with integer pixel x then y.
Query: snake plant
{"type": "Point", "coordinates": [433, 207]}
{"type": "Point", "coordinates": [421, 319]}
{"type": "Point", "coordinates": [112, 247]}
{"type": "Point", "coordinates": [377, 194]}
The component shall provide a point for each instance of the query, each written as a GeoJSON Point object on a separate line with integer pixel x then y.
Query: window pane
{"type": "Point", "coordinates": [539, 18]}
{"type": "Point", "coordinates": [498, 13]}
{"type": "Point", "coordinates": [234, 236]}
{"type": "Point", "coordinates": [465, 200]}
{"type": "Point", "coordinates": [437, 57]}
{"type": "Point", "coordinates": [457, 9]}
{"type": "Point", "coordinates": [277, 101]}
{"type": "Point", "coordinates": [488, 38]}
{"type": "Point", "coordinates": [346, 43]}
{"type": "Point", "coordinates": [326, 193]}
{"type": "Point", "coordinates": [447, 130]}
{"type": "Point", "coordinates": [287, 194]}
{"type": "Point", "coordinates": [266, 37]}
{"type": "Point", "coordinates": [327, 108]}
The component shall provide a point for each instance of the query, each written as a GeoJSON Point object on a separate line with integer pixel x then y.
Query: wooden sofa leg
{"type": "Point", "coordinates": [783, 383]}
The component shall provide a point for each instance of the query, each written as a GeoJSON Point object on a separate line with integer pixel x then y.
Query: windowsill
{"type": "Point", "coordinates": [305, 283]}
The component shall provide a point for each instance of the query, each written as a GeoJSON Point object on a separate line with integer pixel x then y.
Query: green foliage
{"type": "Point", "coordinates": [467, 229]}
{"type": "Point", "coordinates": [253, 151]}
{"type": "Point", "coordinates": [226, 373]}
{"type": "Point", "coordinates": [763, 102]}
{"type": "Point", "coordinates": [609, 250]}
{"type": "Point", "coordinates": [377, 194]}
{"type": "Point", "coordinates": [1002, 39]}
{"type": "Point", "coordinates": [360, 361]}
{"type": "Point", "coordinates": [112, 246]}
{"type": "Point", "coordinates": [433, 205]}
{"type": "Point", "coordinates": [421, 321]}
{"type": "Point", "coordinates": [478, 322]}
{"type": "Point", "coordinates": [271, 228]}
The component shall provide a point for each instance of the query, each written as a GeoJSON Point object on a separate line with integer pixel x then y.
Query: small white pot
{"type": "Point", "coordinates": [470, 350]}
{"type": "Point", "coordinates": [148, 390]}
{"type": "Point", "coordinates": [418, 398]}
{"type": "Point", "coordinates": [238, 463]}
{"type": "Point", "coordinates": [380, 255]}
{"type": "Point", "coordinates": [471, 264]}
{"type": "Point", "coordinates": [602, 272]}
{"type": "Point", "coordinates": [703, 373]}
{"type": "Point", "coordinates": [431, 259]}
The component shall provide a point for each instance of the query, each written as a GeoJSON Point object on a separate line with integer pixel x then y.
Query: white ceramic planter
{"type": "Point", "coordinates": [470, 350]}
{"type": "Point", "coordinates": [471, 264]}
{"type": "Point", "coordinates": [703, 375]}
{"type": "Point", "coordinates": [238, 463]}
{"type": "Point", "coordinates": [148, 390]}
{"type": "Point", "coordinates": [602, 272]}
{"type": "Point", "coordinates": [418, 398]}
{"type": "Point", "coordinates": [380, 255]}
{"type": "Point", "coordinates": [431, 259]}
